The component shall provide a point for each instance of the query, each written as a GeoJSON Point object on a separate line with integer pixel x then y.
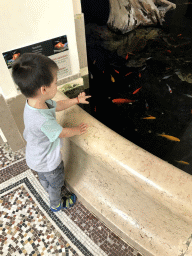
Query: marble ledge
{"type": "Point", "coordinates": [143, 199]}
{"type": "Point", "coordinates": [148, 173]}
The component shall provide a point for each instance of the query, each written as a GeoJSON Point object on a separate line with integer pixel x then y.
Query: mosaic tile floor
{"type": "Point", "coordinates": [28, 227]}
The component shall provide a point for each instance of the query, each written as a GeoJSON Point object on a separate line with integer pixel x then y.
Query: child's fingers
{"type": "Point", "coordinates": [83, 128]}
{"type": "Point", "coordinates": [82, 132]}
{"type": "Point", "coordinates": [83, 124]}
{"type": "Point", "coordinates": [82, 94]}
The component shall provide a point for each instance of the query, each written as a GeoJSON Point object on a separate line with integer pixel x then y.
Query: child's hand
{"type": "Point", "coordinates": [77, 130]}
{"type": "Point", "coordinates": [82, 128]}
{"type": "Point", "coordinates": [82, 98]}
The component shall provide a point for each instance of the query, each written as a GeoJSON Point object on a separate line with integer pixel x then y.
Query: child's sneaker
{"type": "Point", "coordinates": [69, 200]}
{"type": "Point", "coordinates": [66, 202]}
{"type": "Point", "coordinates": [58, 208]}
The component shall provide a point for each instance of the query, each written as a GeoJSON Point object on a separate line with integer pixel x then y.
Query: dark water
{"type": "Point", "coordinates": [160, 66]}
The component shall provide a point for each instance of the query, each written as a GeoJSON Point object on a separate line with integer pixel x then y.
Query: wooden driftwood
{"type": "Point", "coordinates": [126, 15]}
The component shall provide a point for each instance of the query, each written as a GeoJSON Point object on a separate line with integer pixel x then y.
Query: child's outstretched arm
{"type": "Point", "coordinates": [77, 130]}
{"type": "Point", "coordinates": [64, 104]}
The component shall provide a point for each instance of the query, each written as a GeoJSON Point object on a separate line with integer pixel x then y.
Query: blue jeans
{"type": "Point", "coordinates": [52, 183]}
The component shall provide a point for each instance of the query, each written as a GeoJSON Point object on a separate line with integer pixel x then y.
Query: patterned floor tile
{"type": "Point", "coordinates": [28, 227]}
{"type": "Point", "coordinates": [7, 156]}
{"type": "Point", "coordinates": [26, 219]}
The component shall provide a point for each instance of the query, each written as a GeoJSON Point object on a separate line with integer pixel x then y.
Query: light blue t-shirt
{"type": "Point", "coordinates": [42, 136]}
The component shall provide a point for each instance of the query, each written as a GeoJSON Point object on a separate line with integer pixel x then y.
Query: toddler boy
{"type": "Point", "coordinates": [36, 77]}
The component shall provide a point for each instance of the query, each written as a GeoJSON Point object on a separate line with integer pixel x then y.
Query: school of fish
{"type": "Point", "coordinates": [130, 101]}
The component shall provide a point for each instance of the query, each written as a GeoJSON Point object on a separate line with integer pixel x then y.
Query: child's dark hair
{"type": "Point", "coordinates": [31, 71]}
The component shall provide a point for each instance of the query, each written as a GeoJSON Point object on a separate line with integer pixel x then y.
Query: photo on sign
{"type": "Point", "coordinates": [56, 49]}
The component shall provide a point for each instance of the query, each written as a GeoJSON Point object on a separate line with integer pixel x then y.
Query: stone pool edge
{"type": "Point", "coordinates": [107, 155]}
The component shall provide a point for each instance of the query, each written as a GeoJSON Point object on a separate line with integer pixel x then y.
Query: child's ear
{"type": "Point", "coordinates": [43, 89]}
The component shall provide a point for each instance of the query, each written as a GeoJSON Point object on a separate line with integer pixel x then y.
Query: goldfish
{"type": "Point", "coordinates": [95, 108]}
{"type": "Point", "coordinates": [137, 90]}
{"type": "Point", "coordinates": [180, 35]}
{"type": "Point", "coordinates": [169, 137]}
{"type": "Point", "coordinates": [112, 79]}
{"type": "Point", "coordinates": [149, 117]}
{"type": "Point", "coordinates": [182, 162]}
{"type": "Point", "coordinates": [146, 105]}
{"type": "Point", "coordinates": [127, 56]}
{"type": "Point", "coordinates": [169, 51]}
{"type": "Point", "coordinates": [188, 95]}
{"type": "Point", "coordinates": [165, 77]}
{"type": "Point", "coordinates": [144, 68]}
{"type": "Point", "coordinates": [15, 56]}
{"type": "Point", "coordinates": [116, 71]}
{"type": "Point", "coordinates": [139, 74]}
{"type": "Point", "coordinates": [131, 53]}
{"type": "Point", "coordinates": [120, 101]}
{"type": "Point", "coordinates": [59, 45]}
{"type": "Point", "coordinates": [128, 73]}
{"type": "Point", "coordinates": [169, 88]}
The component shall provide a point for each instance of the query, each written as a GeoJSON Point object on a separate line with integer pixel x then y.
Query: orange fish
{"type": "Point", "coordinates": [112, 79]}
{"type": "Point", "coordinates": [169, 51]}
{"type": "Point", "coordinates": [103, 72]}
{"type": "Point", "coordinates": [180, 35]}
{"type": "Point", "coordinates": [59, 45]}
{"type": "Point", "coordinates": [95, 108]}
{"type": "Point", "coordinates": [149, 117]}
{"type": "Point", "coordinates": [116, 71]}
{"type": "Point", "coordinates": [127, 56]}
{"type": "Point", "coordinates": [137, 90]}
{"type": "Point", "coordinates": [128, 73]}
{"type": "Point", "coordinates": [139, 74]}
{"type": "Point", "coordinates": [169, 137]}
{"type": "Point", "coordinates": [120, 101]}
{"type": "Point", "coordinates": [182, 162]}
{"type": "Point", "coordinates": [15, 56]}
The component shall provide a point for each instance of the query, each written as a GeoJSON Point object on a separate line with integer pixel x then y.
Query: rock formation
{"type": "Point", "coordinates": [126, 15]}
